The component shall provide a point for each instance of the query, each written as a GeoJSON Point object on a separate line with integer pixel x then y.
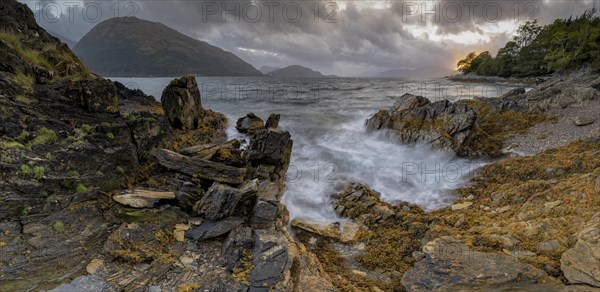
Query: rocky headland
{"type": "Point", "coordinates": [105, 189]}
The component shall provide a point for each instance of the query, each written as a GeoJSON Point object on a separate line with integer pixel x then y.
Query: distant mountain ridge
{"type": "Point", "coordinates": [296, 71]}
{"type": "Point", "coordinates": [268, 69]}
{"type": "Point", "coordinates": [429, 71]}
{"type": "Point", "coordinates": [129, 46]}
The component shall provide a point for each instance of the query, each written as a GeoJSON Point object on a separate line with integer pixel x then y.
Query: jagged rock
{"type": "Point", "coordinates": [199, 167]}
{"type": "Point", "coordinates": [358, 202]}
{"type": "Point", "coordinates": [269, 154]}
{"type": "Point", "coordinates": [182, 103]}
{"type": "Point", "coordinates": [581, 263]}
{"type": "Point", "coordinates": [220, 200]}
{"type": "Point", "coordinates": [442, 124]}
{"type": "Point", "coordinates": [449, 265]}
{"type": "Point", "coordinates": [514, 92]}
{"type": "Point", "coordinates": [583, 121]}
{"type": "Point", "coordinates": [266, 209]}
{"type": "Point", "coordinates": [212, 229]}
{"type": "Point", "coordinates": [209, 150]}
{"type": "Point", "coordinates": [271, 258]}
{"type": "Point", "coordinates": [249, 124]}
{"type": "Point", "coordinates": [188, 194]}
{"type": "Point", "coordinates": [94, 95]}
{"type": "Point", "coordinates": [238, 241]}
{"type": "Point", "coordinates": [273, 121]}
{"type": "Point", "coordinates": [345, 231]}
{"type": "Point", "coordinates": [142, 198]}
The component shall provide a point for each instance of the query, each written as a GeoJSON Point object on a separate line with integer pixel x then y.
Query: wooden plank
{"type": "Point", "coordinates": [202, 168]}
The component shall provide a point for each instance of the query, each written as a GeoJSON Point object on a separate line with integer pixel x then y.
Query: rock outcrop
{"type": "Point", "coordinates": [451, 265]}
{"type": "Point", "coordinates": [581, 263]}
{"type": "Point", "coordinates": [183, 104]}
{"type": "Point", "coordinates": [441, 124]}
{"type": "Point", "coordinates": [249, 124]}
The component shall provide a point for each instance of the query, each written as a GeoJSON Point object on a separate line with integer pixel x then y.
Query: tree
{"type": "Point", "coordinates": [464, 64]}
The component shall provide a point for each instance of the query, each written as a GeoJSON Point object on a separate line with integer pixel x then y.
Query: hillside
{"type": "Point", "coordinates": [268, 69]}
{"type": "Point", "coordinates": [130, 46]}
{"type": "Point", "coordinates": [424, 72]}
{"type": "Point", "coordinates": [295, 71]}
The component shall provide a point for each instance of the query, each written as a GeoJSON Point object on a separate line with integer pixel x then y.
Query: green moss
{"type": "Point", "coordinates": [120, 170]}
{"type": "Point", "coordinates": [110, 135]}
{"type": "Point", "coordinates": [73, 173]}
{"type": "Point", "coordinates": [59, 226]}
{"type": "Point", "coordinates": [11, 145]}
{"type": "Point", "coordinates": [81, 188]}
{"type": "Point", "coordinates": [23, 136]}
{"type": "Point", "coordinates": [38, 172]}
{"type": "Point", "coordinates": [99, 173]}
{"type": "Point", "coordinates": [25, 210]}
{"type": "Point", "coordinates": [44, 136]}
{"type": "Point", "coordinates": [26, 170]}
{"type": "Point", "coordinates": [49, 156]}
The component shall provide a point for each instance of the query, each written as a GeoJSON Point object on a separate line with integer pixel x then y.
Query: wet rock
{"type": "Point", "coordinates": [345, 231]}
{"type": "Point", "coordinates": [583, 121]}
{"type": "Point", "coordinates": [182, 103]}
{"type": "Point", "coordinates": [442, 124]}
{"type": "Point", "coordinates": [210, 170]}
{"type": "Point", "coordinates": [238, 241]}
{"type": "Point", "coordinates": [273, 121]}
{"type": "Point", "coordinates": [220, 200]}
{"type": "Point", "coordinates": [139, 198]}
{"type": "Point", "coordinates": [249, 124]}
{"type": "Point", "coordinates": [212, 229]}
{"type": "Point", "coordinates": [514, 92]}
{"type": "Point", "coordinates": [266, 209]}
{"type": "Point", "coordinates": [358, 202]}
{"type": "Point", "coordinates": [271, 258]}
{"type": "Point", "coordinates": [188, 194]}
{"type": "Point", "coordinates": [451, 265]}
{"type": "Point", "coordinates": [269, 155]}
{"type": "Point", "coordinates": [580, 263]}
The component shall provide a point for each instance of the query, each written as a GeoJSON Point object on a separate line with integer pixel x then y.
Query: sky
{"type": "Point", "coordinates": [345, 38]}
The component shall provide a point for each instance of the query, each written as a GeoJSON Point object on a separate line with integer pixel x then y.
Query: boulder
{"type": "Point", "coordinates": [93, 94]}
{"type": "Point", "coordinates": [238, 241]}
{"type": "Point", "coordinates": [267, 206]}
{"type": "Point", "coordinates": [441, 124]}
{"type": "Point", "coordinates": [271, 258]}
{"type": "Point", "coordinates": [209, 170]}
{"type": "Point", "coordinates": [361, 204]}
{"type": "Point", "coordinates": [249, 124]}
{"type": "Point", "coordinates": [220, 200]}
{"type": "Point", "coordinates": [345, 231]}
{"type": "Point", "coordinates": [581, 263]}
{"type": "Point", "coordinates": [269, 154]}
{"type": "Point", "coordinates": [139, 198]}
{"type": "Point", "coordinates": [514, 92]}
{"type": "Point", "coordinates": [583, 121]}
{"type": "Point", "coordinates": [182, 103]}
{"type": "Point", "coordinates": [449, 265]}
{"type": "Point", "coordinates": [211, 229]}
{"type": "Point", "coordinates": [273, 121]}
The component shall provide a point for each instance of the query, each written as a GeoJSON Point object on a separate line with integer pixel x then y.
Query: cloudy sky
{"type": "Point", "coordinates": [346, 38]}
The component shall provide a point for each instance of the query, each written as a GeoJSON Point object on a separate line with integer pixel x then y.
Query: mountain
{"type": "Point", "coordinates": [430, 71]}
{"type": "Point", "coordinates": [268, 69]}
{"type": "Point", "coordinates": [296, 71]}
{"type": "Point", "coordinates": [129, 46]}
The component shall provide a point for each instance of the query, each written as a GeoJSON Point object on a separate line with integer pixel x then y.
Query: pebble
{"type": "Point", "coordinates": [583, 121]}
{"type": "Point", "coordinates": [551, 205]}
{"type": "Point", "coordinates": [93, 266]}
{"type": "Point", "coordinates": [503, 209]}
{"type": "Point", "coordinates": [461, 206]}
{"type": "Point", "coordinates": [359, 273]}
{"type": "Point", "coordinates": [470, 197]}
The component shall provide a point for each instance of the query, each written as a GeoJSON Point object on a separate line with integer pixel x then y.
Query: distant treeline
{"type": "Point", "coordinates": [563, 45]}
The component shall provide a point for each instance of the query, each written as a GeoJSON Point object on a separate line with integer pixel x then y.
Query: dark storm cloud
{"type": "Point", "coordinates": [345, 39]}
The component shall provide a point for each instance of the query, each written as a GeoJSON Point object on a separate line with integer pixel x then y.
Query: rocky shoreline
{"type": "Point", "coordinates": [103, 188]}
